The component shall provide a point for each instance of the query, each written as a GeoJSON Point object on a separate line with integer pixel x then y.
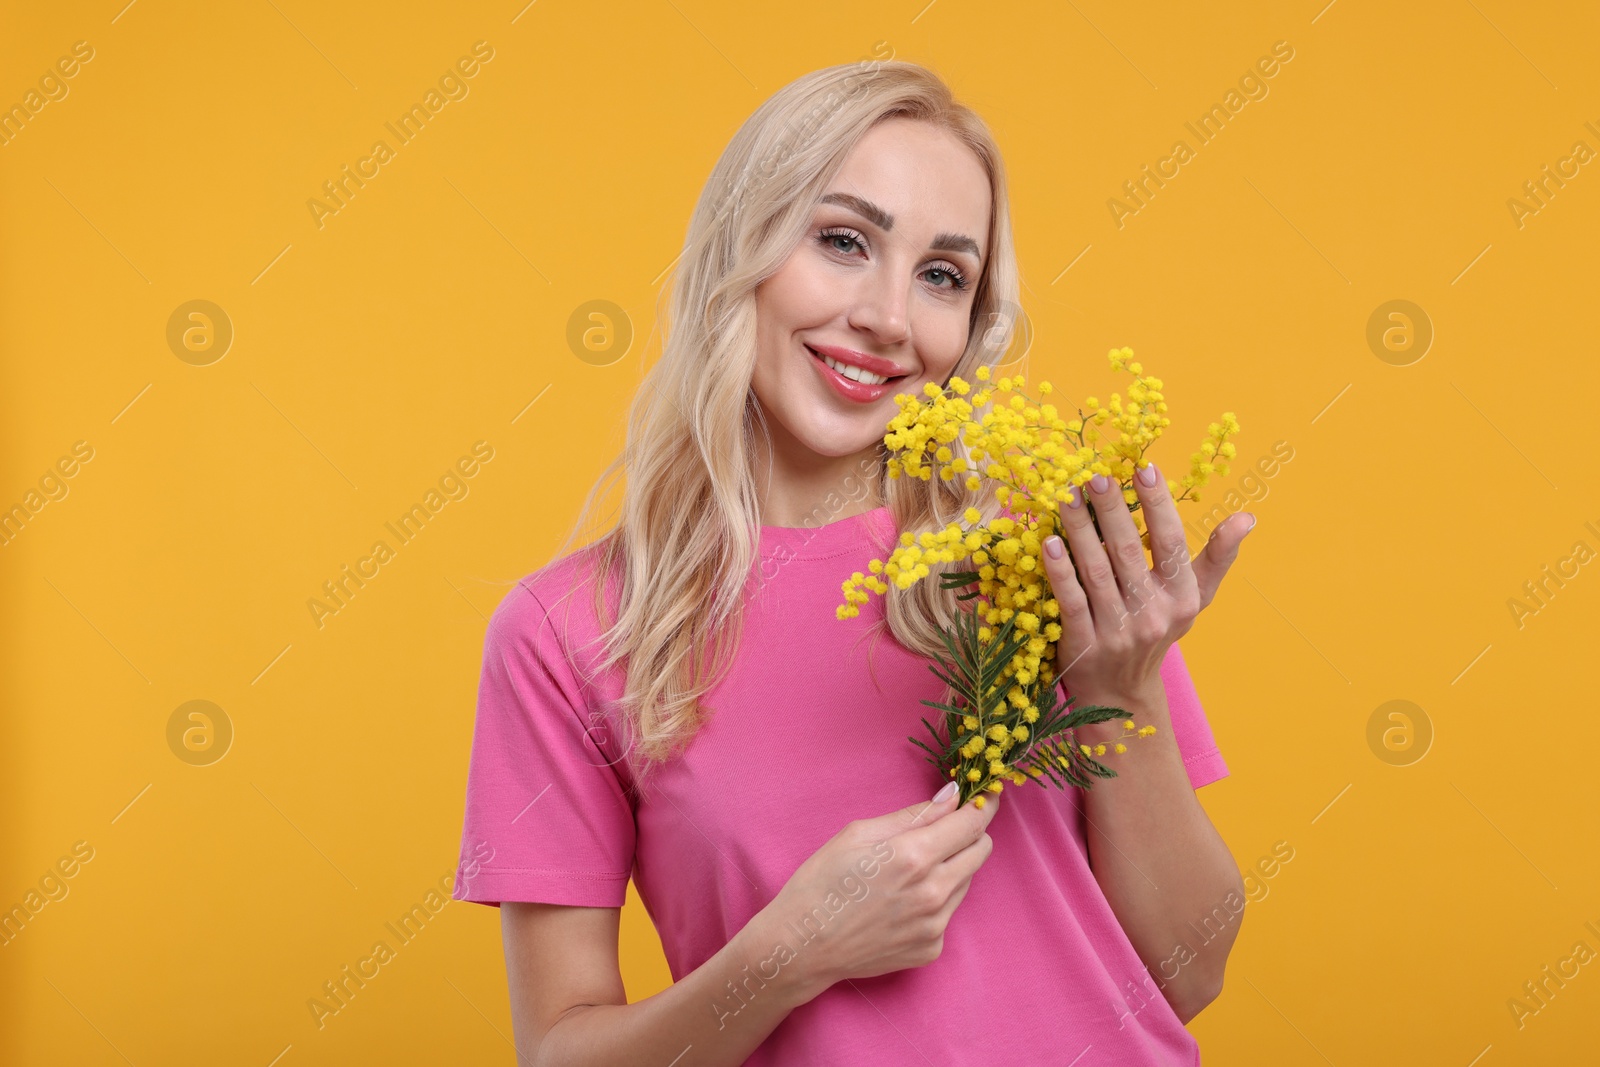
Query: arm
{"type": "Point", "coordinates": [568, 1006]}
{"type": "Point", "coordinates": [903, 875]}
{"type": "Point", "coordinates": [1165, 871]}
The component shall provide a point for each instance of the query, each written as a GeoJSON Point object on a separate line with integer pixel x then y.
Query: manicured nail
{"type": "Point", "coordinates": [1074, 497]}
{"type": "Point", "coordinates": [1147, 475]}
{"type": "Point", "coordinates": [1100, 483]}
{"type": "Point", "coordinates": [1252, 526]}
{"type": "Point", "coordinates": [1053, 547]}
{"type": "Point", "coordinates": [946, 793]}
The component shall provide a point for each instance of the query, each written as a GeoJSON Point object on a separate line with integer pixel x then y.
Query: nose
{"type": "Point", "coordinates": [882, 307]}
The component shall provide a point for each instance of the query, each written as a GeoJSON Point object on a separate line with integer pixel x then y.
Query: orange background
{"type": "Point", "coordinates": [431, 312]}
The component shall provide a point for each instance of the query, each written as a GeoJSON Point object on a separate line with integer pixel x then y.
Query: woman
{"type": "Point", "coordinates": [701, 722]}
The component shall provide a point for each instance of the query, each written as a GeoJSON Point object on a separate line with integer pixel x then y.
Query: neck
{"type": "Point", "coordinates": [804, 488]}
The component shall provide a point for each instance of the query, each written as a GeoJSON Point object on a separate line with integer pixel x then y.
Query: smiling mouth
{"type": "Point", "coordinates": [854, 373]}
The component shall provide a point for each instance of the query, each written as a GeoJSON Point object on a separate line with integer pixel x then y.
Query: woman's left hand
{"type": "Point", "coordinates": [1119, 614]}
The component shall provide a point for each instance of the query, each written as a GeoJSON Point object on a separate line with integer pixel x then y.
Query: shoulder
{"type": "Point", "coordinates": [550, 610]}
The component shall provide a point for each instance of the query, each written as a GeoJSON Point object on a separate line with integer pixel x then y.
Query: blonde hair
{"type": "Point", "coordinates": [683, 551]}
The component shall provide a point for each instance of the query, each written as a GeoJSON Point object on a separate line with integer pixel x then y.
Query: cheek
{"type": "Point", "coordinates": [943, 340]}
{"type": "Point", "coordinates": [809, 294]}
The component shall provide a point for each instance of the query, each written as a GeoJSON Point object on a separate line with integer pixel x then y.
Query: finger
{"type": "Point", "coordinates": [1077, 624]}
{"type": "Point", "coordinates": [958, 871]}
{"type": "Point", "coordinates": [949, 834]}
{"type": "Point", "coordinates": [921, 813]}
{"type": "Point", "coordinates": [911, 816]}
{"type": "Point", "coordinates": [964, 863]}
{"type": "Point", "coordinates": [1119, 533]}
{"type": "Point", "coordinates": [1169, 549]}
{"type": "Point", "coordinates": [1095, 574]}
{"type": "Point", "coordinates": [1218, 555]}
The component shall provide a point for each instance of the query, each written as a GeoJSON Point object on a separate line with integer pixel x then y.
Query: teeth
{"type": "Point", "coordinates": [856, 374]}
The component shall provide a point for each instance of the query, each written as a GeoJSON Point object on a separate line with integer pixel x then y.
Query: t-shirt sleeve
{"type": "Point", "coordinates": [548, 819]}
{"type": "Point", "coordinates": [1201, 757]}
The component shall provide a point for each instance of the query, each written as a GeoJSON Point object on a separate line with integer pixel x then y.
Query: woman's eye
{"type": "Point", "coordinates": [848, 242]}
{"type": "Point", "coordinates": [828, 238]}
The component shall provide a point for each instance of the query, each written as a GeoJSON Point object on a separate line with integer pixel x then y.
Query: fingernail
{"type": "Point", "coordinates": [1252, 526]}
{"type": "Point", "coordinates": [1100, 483]}
{"type": "Point", "coordinates": [1053, 547]}
{"type": "Point", "coordinates": [1147, 475]}
{"type": "Point", "coordinates": [946, 793]}
{"type": "Point", "coordinates": [1074, 497]}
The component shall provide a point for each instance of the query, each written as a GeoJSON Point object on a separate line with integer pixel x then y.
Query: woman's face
{"type": "Point", "coordinates": [884, 276]}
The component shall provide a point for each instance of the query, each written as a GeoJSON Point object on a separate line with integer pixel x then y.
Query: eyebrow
{"type": "Point", "coordinates": [943, 242]}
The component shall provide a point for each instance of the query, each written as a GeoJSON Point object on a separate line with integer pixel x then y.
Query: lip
{"type": "Point", "coordinates": [860, 392]}
{"type": "Point", "coordinates": [875, 364]}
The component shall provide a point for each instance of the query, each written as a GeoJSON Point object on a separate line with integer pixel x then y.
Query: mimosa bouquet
{"type": "Point", "coordinates": [1005, 721]}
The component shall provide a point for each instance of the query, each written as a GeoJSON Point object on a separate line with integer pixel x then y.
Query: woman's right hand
{"type": "Point", "coordinates": [895, 880]}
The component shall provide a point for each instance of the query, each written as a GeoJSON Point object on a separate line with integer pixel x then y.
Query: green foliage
{"type": "Point", "coordinates": [972, 672]}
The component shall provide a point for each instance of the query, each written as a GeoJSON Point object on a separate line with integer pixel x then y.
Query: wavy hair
{"type": "Point", "coordinates": [682, 555]}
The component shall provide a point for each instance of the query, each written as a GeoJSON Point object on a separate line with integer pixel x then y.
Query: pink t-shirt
{"type": "Point", "coordinates": [802, 741]}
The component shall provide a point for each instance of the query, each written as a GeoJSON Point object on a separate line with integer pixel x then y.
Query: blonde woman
{"type": "Point", "coordinates": [676, 702]}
